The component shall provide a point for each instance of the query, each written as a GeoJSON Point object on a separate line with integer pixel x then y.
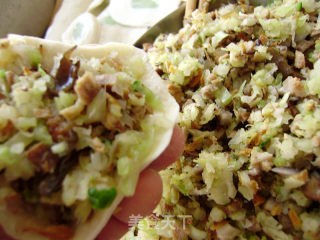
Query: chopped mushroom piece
{"type": "Point", "coordinates": [294, 86]}
{"type": "Point", "coordinates": [176, 92]}
{"type": "Point", "coordinates": [225, 118]}
{"type": "Point", "coordinates": [208, 91]}
{"type": "Point", "coordinates": [312, 188]}
{"type": "Point", "coordinates": [299, 61]}
{"type": "Point", "coordinates": [315, 32]}
{"type": "Point", "coordinates": [42, 157]}
{"type": "Point", "coordinates": [87, 87]}
{"type": "Point", "coordinates": [304, 45]}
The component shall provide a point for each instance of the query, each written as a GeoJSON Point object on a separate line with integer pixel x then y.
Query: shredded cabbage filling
{"type": "Point", "coordinates": [71, 137]}
{"type": "Point", "coordinates": [247, 81]}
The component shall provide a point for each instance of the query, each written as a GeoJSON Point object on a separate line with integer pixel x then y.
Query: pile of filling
{"type": "Point", "coordinates": [70, 136]}
{"type": "Point", "coordinates": [247, 79]}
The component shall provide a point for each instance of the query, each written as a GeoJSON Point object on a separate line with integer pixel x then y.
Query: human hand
{"type": "Point", "coordinates": [148, 192]}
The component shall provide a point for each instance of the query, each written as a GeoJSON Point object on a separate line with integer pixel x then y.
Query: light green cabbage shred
{"type": "Point", "coordinates": [272, 227]}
